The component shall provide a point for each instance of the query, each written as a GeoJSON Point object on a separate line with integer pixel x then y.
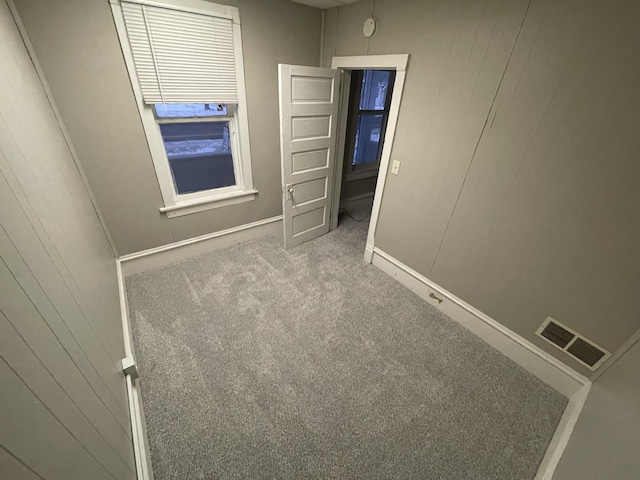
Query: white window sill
{"type": "Point", "coordinates": [207, 203]}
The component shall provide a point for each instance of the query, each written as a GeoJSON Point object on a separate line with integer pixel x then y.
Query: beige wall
{"type": "Point", "coordinates": [63, 402]}
{"type": "Point", "coordinates": [606, 439]}
{"type": "Point", "coordinates": [518, 139]}
{"type": "Point", "coordinates": [77, 45]}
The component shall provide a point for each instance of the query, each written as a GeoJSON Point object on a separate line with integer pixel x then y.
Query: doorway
{"type": "Point", "coordinates": [314, 108]}
{"type": "Point", "coordinates": [368, 110]}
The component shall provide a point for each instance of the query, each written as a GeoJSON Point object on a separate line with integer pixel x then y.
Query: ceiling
{"type": "Point", "coordinates": [324, 4]}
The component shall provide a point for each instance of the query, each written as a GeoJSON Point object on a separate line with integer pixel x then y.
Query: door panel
{"type": "Point", "coordinates": [308, 127]}
{"type": "Point", "coordinates": [307, 221]}
{"type": "Point", "coordinates": [310, 191]}
{"type": "Point", "coordinates": [303, 161]}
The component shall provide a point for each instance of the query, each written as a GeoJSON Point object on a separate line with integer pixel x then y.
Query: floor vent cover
{"type": "Point", "coordinates": [584, 351]}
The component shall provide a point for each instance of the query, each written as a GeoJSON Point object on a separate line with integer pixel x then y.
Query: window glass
{"type": "Point", "coordinates": [375, 84]}
{"type": "Point", "coordinates": [190, 110]}
{"type": "Point", "coordinates": [199, 155]}
{"type": "Point", "coordinates": [367, 139]}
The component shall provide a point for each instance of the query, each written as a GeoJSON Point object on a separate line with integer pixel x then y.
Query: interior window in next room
{"type": "Point", "coordinates": [369, 104]}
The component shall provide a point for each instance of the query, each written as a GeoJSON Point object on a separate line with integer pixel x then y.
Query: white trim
{"type": "Point", "coordinates": [56, 113]}
{"type": "Point", "coordinates": [193, 6]}
{"type": "Point", "coordinates": [368, 253]}
{"type": "Point", "coordinates": [207, 203]}
{"type": "Point", "coordinates": [129, 367]}
{"type": "Point", "coordinates": [397, 62]}
{"type": "Point", "coordinates": [631, 341]}
{"type": "Point", "coordinates": [563, 379]}
{"type": "Point", "coordinates": [343, 112]}
{"type": "Point", "coordinates": [175, 252]}
{"type": "Point", "coordinates": [563, 432]}
{"type": "Point", "coordinates": [241, 114]}
{"type": "Point", "coordinates": [136, 413]}
{"type": "Point", "coordinates": [380, 62]}
{"type": "Point", "coordinates": [538, 362]}
{"type": "Point", "coordinates": [238, 124]}
{"type": "Point", "coordinates": [153, 258]}
{"type": "Point", "coordinates": [124, 312]}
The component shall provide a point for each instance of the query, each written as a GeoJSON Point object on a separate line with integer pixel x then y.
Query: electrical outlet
{"type": "Point", "coordinates": [395, 167]}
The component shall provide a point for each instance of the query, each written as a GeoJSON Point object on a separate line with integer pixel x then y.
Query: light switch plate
{"type": "Point", "coordinates": [395, 167]}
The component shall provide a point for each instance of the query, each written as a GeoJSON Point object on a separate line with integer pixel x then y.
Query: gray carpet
{"type": "Point", "coordinates": [309, 363]}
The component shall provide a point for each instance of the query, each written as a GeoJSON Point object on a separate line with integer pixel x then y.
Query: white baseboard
{"type": "Point", "coordinates": [368, 253]}
{"type": "Point", "coordinates": [141, 453]}
{"type": "Point", "coordinates": [175, 252]}
{"type": "Point", "coordinates": [136, 413]}
{"type": "Point", "coordinates": [548, 369]}
{"type": "Point", "coordinates": [158, 257]}
{"type": "Point", "coordinates": [562, 434]}
{"type": "Point", "coordinates": [535, 360]}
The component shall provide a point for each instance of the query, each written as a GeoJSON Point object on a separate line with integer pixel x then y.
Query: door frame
{"type": "Point", "coordinates": [368, 62]}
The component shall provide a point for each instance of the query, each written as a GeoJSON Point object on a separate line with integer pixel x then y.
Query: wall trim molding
{"type": "Point", "coordinates": [625, 347]}
{"type": "Point", "coordinates": [141, 452]}
{"type": "Point", "coordinates": [154, 258]}
{"type": "Point", "coordinates": [554, 373]}
{"type": "Point", "coordinates": [175, 252]}
{"type": "Point", "coordinates": [368, 254]}
{"type": "Point", "coordinates": [532, 358]}
{"type": "Point", "coordinates": [563, 433]}
{"type": "Point", "coordinates": [539, 363]}
{"type": "Point", "coordinates": [399, 63]}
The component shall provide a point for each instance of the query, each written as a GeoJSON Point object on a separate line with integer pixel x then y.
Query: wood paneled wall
{"type": "Point", "coordinates": [518, 137]}
{"type": "Point", "coordinates": [63, 403]}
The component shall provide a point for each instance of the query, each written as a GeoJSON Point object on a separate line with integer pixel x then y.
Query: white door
{"type": "Point", "coordinates": [308, 126]}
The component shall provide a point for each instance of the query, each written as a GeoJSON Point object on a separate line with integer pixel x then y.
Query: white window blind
{"type": "Point", "coordinates": [181, 57]}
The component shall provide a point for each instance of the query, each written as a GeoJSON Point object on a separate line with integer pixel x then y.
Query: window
{"type": "Point", "coordinates": [185, 63]}
{"type": "Point", "coordinates": [197, 142]}
{"type": "Point", "coordinates": [369, 106]}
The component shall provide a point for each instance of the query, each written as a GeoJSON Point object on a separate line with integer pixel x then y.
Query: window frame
{"type": "Point", "coordinates": [183, 204]}
{"type": "Point", "coordinates": [235, 155]}
{"type": "Point", "coordinates": [370, 169]}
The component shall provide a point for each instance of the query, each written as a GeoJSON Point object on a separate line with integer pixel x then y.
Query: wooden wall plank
{"type": "Point", "coordinates": [518, 190]}
{"type": "Point", "coordinates": [550, 202]}
{"type": "Point", "coordinates": [63, 404]}
{"type": "Point", "coordinates": [48, 197]}
{"type": "Point", "coordinates": [65, 318]}
{"type": "Point", "coordinates": [13, 468]}
{"type": "Point", "coordinates": [94, 429]}
{"type": "Point", "coordinates": [459, 51]}
{"type": "Point", "coordinates": [49, 449]}
{"type": "Point", "coordinates": [30, 325]}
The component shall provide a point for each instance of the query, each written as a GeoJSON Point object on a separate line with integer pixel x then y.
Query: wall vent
{"type": "Point", "coordinates": [572, 343]}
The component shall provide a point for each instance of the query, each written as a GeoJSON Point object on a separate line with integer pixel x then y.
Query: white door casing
{"type": "Point", "coordinates": [399, 63]}
{"type": "Point", "coordinates": [308, 130]}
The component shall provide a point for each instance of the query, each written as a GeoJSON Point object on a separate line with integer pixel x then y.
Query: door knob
{"type": "Point", "coordinates": [289, 190]}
